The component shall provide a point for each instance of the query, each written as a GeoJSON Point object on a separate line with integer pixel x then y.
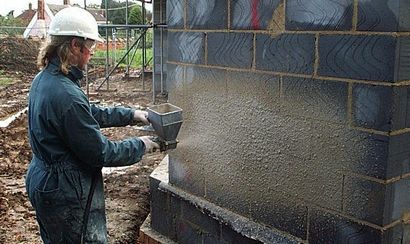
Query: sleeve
{"type": "Point", "coordinates": [83, 136]}
{"type": "Point", "coordinates": [112, 117]}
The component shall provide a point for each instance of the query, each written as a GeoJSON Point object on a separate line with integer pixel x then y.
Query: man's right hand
{"type": "Point", "coordinates": [150, 146]}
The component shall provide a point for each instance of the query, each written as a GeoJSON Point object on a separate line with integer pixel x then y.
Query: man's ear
{"type": "Point", "coordinates": [75, 44]}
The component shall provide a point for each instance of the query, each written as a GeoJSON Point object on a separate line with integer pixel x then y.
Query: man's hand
{"type": "Point", "coordinates": [150, 146]}
{"type": "Point", "coordinates": [141, 116]}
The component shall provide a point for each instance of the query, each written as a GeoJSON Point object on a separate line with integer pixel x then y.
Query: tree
{"type": "Point", "coordinates": [12, 26]}
{"type": "Point", "coordinates": [135, 16]}
{"type": "Point", "coordinates": [116, 12]}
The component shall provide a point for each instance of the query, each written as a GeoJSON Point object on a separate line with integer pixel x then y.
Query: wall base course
{"type": "Point", "coordinates": [189, 230]}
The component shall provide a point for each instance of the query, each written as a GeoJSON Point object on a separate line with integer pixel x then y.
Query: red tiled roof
{"type": "Point", "coordinates": [27, 15]}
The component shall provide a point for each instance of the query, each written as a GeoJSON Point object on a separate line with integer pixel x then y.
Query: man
{"type": "Point", "coordinates": [64, 180]}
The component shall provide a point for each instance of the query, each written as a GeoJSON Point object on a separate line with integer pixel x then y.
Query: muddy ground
{"type": "Point", "coordinates": [127, 192]}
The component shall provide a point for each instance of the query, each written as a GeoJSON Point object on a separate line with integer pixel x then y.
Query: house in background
{"type": "Point", "coordinates": [41, 18]}
{"type": "Point", "coordinates": [27, 15]}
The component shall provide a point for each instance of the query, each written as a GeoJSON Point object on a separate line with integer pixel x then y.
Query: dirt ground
{"type": "Point", "coordinates": [127, 191]}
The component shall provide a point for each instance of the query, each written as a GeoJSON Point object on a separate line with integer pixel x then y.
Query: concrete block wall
{"type": "Point", "coordinates": [295, 113]}
{"type": "Point", "coordinates": [160, 47]}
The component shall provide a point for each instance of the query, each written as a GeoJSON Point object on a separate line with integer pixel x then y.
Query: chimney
{"type": "Point", "coordinates": [41, 9]}
{"type": "Point", "coordinates": [30, 6]}
{"type": "Point", "coordinates": [66, 2]}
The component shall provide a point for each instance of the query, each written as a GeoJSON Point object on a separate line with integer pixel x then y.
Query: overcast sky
{"type": "Point", "coordinates": [20, 5]}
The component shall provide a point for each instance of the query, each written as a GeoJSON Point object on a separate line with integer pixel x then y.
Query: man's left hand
{"type": "Point", "coordinates": [141, 116]}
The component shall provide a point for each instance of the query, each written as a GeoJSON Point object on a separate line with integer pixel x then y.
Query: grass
{"type": "Point", "coordinates": [4, 81]}
{"type": "Point", "coordinates": [99, 57]}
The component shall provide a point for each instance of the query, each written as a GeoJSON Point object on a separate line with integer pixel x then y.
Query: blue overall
{"type": "Point", "coordinates": [68, 148]}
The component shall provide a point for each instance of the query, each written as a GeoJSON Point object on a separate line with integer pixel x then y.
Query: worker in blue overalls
{"type": "Point", "coordinates": [64, 181]}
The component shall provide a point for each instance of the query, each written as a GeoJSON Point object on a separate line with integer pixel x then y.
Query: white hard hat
{"type": "Point", "coordinates": [74, 21]}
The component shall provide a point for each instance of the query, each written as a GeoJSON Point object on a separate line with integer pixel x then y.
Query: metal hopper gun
{"type": "Point", "coordinates": [166, 120]}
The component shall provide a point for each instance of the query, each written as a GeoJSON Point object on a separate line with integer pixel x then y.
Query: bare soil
{"type": "Point", "coordinates": [126, 188]}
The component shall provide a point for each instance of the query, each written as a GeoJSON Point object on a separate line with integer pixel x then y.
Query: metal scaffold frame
{"type": "Point", "coordinates": [140, 40]}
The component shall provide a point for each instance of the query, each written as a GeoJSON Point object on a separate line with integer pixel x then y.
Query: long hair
{"type": "Point", "coordinates": [57, 46]}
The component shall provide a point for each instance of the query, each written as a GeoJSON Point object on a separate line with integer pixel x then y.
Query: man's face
{"type": "Point", "coordinates": [83, 52]}
{"type": "Point", "coordinates": [87, 52]}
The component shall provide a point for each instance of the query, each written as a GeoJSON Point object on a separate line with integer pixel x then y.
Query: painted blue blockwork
{"type": "Point", "coordinates": [362, 57]}
{"type": "Point", "coordinates": [210, 14]}
{"type": "Point", "coordinates": [290, 53]}
{"type": "Point", "coordinates": [230, 49]}
{"type": "Point", "coordinates": [244, 16]}
{"type": "Point", "coordinates": [319, 15]}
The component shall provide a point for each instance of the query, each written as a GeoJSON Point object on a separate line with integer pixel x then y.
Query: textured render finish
{"type": "Point", "coordinates": [175, 14]}
{"type": "Point", "coordinates": [301, 158]}
{"type": "Point", "coordinates": [319, 15]}
{"type": "Point", "coordinates": [207, 14]}
{"type": "Point", "coordinates": [280, 213]}
{"type": "Point", "coordinates": [251, 14]}
{"type": "Point", "coordinates": [316, 99]}
{"type": "Point", "coordinates": [285, 53]}
{"type": "Point", "coordinates": [230, 49]}
{"type": "Point", "coordinates": [357, 56]}
{"type": "Point", "coordinates": [202, 89]}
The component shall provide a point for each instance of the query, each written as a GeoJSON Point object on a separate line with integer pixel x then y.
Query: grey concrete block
{"type": "Point", "coordinates": [395, 235]}
{"type": "Point", "coordinates": [162, 219]}
{"type": "Point", "coordinates": [397, 200]}
{"type": "Point", "coordinates": [403, 61]}
{"type": "Point", "coordinates": [365, 200]}
{"type": "Point", "coordinates": [254, 15]}
{"type": "Point", "coordinates": [230, 49]}
{"type": "Point", "coordinates": [319, 15]}
{"type": "Point", "coordinates": [192, 214]}
{"type": "Point", "coordinates": [163, 222]}
{"type": "Point", "coordinates": [383, 108]}
{"type": "Point", "coordinates": [187, 233]}
{"type": "Point", "coordinates": [187, 47]}
{"type": "Point", "coordinates": [399, 156]}
{"type": "Point", "coordinates": [207, 14]}
{"type": "Point", "coordinates": [316, 99]}
{"type": "Point", "coordinates": [211, 239]}
{"type": "Point", "coordinates": [404, 12]}
{"type": "Point", "coordinates": [231, 237]}
{"type": "Point", "coordinates": [357, 56]}
{"type": "Point", "coordinates": [373, 106]}
{"type": "Point", "coordinates": [175, 14]}
{"type": "Point", "coordinates": [330, 228]}
{"type": "Point", "coordinates": [291, 53]}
